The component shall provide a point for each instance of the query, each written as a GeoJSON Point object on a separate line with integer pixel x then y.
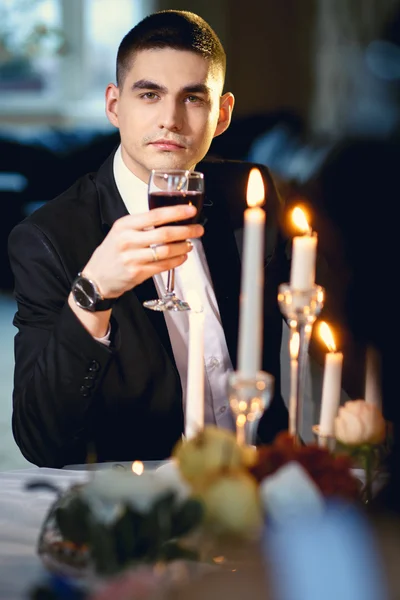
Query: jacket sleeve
{"type": "Point", "coordinates": [58, 365]}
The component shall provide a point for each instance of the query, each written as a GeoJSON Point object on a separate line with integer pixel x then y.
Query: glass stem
{"type": "Point", "coordinates": [298, 380]}
{"type": "Point", "coordinates": [170, 283]}
{"type": "Point", "coordinates": [241, 430]}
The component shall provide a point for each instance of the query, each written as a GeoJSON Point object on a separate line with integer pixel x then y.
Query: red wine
{"type": "Point", "coordinates": [159, 199]}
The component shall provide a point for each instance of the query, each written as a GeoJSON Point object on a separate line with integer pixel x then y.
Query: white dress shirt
{"type": "Point", "coordinates": [192, 275]}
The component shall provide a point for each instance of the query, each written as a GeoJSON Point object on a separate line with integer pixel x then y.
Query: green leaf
{"type": "Point", "coordinates": [126, 532]}
{"type": "Point", "coordinates": [72, 518]}
{"type": "Point", "coordinates": [155, 528]}
{"type": "Point", "coordinates": [188, 516]}
{"type": "Point", "coordinates": [103, 551]}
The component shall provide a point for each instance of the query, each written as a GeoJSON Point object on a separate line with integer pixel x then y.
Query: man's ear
{"type": "Point", "coordinates": [112, 97]}
{"type": "Point", "coordinates": [226, 105]}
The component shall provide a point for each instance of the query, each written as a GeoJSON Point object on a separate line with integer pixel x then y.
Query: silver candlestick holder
{"type": "Point", "coordinates": [248, 398]}
{"type": "Point", "coordinates": [301, 308]}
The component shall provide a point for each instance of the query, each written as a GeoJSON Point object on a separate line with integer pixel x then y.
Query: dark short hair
{"type": "Point", "coordinates": [178, 29]}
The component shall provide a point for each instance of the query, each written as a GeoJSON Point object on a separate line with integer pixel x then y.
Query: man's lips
{"type": "Point", "coordinates": [167, 145]}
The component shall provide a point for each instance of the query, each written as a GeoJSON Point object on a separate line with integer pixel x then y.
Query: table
{"type": "Point", "coordinates": [21, 515]}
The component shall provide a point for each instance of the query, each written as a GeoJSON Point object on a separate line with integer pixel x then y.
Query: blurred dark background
{"type": "Point", "coordinates": [309, 77]}
{"type": "Point", "coordinates": [300, 71]}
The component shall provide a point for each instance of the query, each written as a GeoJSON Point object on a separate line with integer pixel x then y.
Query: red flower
{"type": "Point", "coordinates": [330, 473]}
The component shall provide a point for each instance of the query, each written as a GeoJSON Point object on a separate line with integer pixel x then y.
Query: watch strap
{"type": "Point", "coordinates": [104, 304]}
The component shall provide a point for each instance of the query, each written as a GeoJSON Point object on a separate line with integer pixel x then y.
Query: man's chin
{"type": "Point", "coordinates": [171, 160]}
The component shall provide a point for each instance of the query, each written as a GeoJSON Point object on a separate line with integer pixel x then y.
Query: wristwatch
{"type": "Point", "coordinates": [87, 296]}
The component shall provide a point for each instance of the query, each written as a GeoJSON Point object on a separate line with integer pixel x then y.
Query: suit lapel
{"type": "Point", "coordinates": [222, 257]}
{"type": "Point", "coordinates": [112, 208]}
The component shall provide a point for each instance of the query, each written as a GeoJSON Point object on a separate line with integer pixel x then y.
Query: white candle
{"type": "Point", "coordinates": [373, 394]}
{"type": "Point", "coordinates": [194, 413]}
{"type": "Point", "coordinates": [304, 252]}
{"type": "Point", "coordinates": [331, 389]}
{"type": "Point", "coordinates": [252, 281]}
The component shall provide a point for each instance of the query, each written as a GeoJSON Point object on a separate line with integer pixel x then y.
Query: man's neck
{"type": "Point", "coordinates": [139, 172]}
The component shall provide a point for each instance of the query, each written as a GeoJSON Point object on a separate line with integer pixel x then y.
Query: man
{"type": "Point", "coordinates": [113, 378]}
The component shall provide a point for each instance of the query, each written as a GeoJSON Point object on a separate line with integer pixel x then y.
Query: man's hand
{"type": "Point", "coordinates": [125, 258]}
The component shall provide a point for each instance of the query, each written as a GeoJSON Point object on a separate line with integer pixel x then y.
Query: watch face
{"type": "Point", "coordinates": [84, 293]}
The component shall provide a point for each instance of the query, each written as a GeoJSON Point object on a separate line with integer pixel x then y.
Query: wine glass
{"type": "Point", "coordinates": [169, 187]}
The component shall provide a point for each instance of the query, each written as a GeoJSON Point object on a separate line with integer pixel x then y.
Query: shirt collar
{"type": "Point", "coordinates": [133, 190]}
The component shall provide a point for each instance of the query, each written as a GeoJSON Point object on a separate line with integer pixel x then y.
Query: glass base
{"type": "Point", "coordinates": [249, 396]}
{"type": "Point", "coordinates": [167, 303]}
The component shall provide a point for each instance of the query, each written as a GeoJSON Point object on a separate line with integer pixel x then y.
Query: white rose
{"type": "Point", "coordinates": [360, 423]}
{"type": "Point", "coordinates": [109, 490]}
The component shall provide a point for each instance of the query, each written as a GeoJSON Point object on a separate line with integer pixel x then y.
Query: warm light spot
{"type": "Point", "coordinates": [327, 336]}
{"type": "Point", "coordinates": [242, 405]}
{"type": "Point", "coordinates": [137, 467]}
{"type": "Point", "coordinates": [254, 406]}
{"type": "Point", "coordinates": [241, 420]}
{"type": "Point", "coordinates": [219, 559]}
{"type": "Point", "coordinates": [194, 301]}
{"type": "Point", "coordinates": [255, 189]}
{"type": "Point", "coordinates": [294, 345]}
{"type": "Point", "coordinates": [300, 220]}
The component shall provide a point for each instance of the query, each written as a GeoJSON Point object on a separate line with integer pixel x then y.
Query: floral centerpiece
{"type": "Point", "coordinates": [208, 506]}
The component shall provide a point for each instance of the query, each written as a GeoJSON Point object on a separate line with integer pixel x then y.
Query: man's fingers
{"type": "Point", "coordinates": [157, 217]}
{"type": "Point", "coordinates": [144, 256]}
{"type": "Point", "coordinates": [131, 238]}
{"type": "Point", "coordinates": [171, 234]}
{"type": "Point", "coordinates": [151, 269]}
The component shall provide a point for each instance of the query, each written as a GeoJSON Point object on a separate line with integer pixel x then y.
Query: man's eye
{"type": "Point", "coordinates": [193, 99]}
{"type": "Point", "coordinates": [149, 96]}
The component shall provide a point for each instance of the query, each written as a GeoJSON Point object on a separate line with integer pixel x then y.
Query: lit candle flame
{"type": "Point", "coordinates": [294, 345]}
{"type": "Point", "coordinates": [327, 336]}
{"type": "Point", "coordinates": [300, 220]}
{"type": "Point", "coordinates": [255, 189]}
{"type": "Point", "coordinates": [137, 467]}
{"type": "Point", "coordinates": [194, 301]}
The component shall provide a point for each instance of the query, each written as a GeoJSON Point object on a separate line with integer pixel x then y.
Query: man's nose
{"type": "Point", "coordinates": [171, 116]}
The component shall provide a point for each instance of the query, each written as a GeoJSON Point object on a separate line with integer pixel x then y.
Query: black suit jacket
{"type": "Point", "coordinates": [72, 393]}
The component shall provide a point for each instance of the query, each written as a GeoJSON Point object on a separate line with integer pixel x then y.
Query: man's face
{"type": "Point", "coordinates": [168, 110]}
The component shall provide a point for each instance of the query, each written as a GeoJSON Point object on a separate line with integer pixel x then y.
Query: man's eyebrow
{"type": "Point", "coordinates": [197, 88]}
{"type": "Point", "coordinates": [191, 88]}
{"type": "Point", "coordinates": [146, 84]}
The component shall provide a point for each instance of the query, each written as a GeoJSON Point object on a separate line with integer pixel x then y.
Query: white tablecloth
{"type": "Point", "coordinates": [21, 515]}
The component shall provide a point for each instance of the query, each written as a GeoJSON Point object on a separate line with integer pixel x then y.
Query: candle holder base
{"type": "Point", "coordinates": [301, 308]}
{"type": "Point", "coordinates": [248, 398]}
{"type": "Point", "coordinates": [324, 441]}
